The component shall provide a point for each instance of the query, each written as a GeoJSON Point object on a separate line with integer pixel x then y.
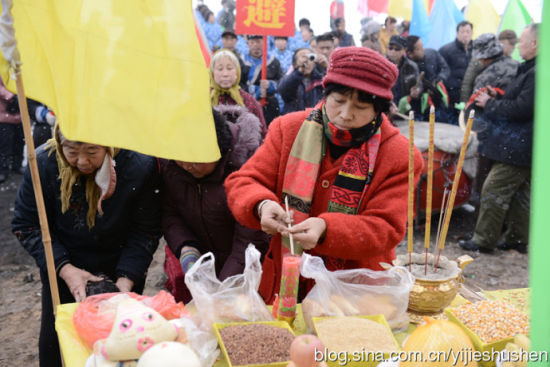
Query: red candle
{"type": "Point", "coordinates": [288, 293]}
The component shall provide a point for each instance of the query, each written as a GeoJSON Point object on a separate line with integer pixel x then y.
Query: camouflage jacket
{"type": "Point", "coordinates": [498, 74]}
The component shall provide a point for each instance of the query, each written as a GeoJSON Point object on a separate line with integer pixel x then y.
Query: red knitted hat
{"type": "Point", "coordinates": [363, 69]}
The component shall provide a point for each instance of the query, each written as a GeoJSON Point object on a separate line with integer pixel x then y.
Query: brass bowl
{"type": "Point", "coordinates": [432, 294]}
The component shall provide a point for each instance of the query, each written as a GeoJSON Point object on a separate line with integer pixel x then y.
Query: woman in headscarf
{"type": "Point", "coordinates": [343, 168]}
{"type": "Point", "coordinates": [103, 218]}
{"type": "Point", "coordinates": [225, 75]}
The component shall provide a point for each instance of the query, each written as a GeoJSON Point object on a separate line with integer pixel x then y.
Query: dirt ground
{"type": "Point", "coordinates": [20, 282]}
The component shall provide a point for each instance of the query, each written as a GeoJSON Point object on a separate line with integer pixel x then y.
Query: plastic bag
{"type": "Point", "coordinates": [356, 292]}
{"type": "Point", "coordinates": [94, 317]}
{"type": "Point", "coordinates": [235, 299]}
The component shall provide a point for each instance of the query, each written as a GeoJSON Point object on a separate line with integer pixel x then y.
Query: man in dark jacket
{"type": "Point", "coordinates": [303, 87]}
{"type": "Point", "coordinates": [429, 61]}
{"type": "Point", "coordinates": [195, 215]}
{"type": "Point", "coordinates": [344, 38]}
{"type": "Point", "coordinates": [457, 54]}
{"type": "Point", "coordinates": [113, 230]}
{"type": "Point", "coordinates": [506, 192]}
{"type": "Point", "coordinates": [252, 73]}
{"type": "Point", "coordinates": [408, 70]}
{"type": "Point", "coordinates": [436, 72]}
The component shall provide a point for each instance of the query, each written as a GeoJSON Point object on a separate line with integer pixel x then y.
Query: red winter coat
{"type": "Point", "coordinates": [352, 241]}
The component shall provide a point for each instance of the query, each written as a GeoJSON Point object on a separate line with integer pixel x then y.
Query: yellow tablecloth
{"type": "Point", "coordinates": [75, 351]}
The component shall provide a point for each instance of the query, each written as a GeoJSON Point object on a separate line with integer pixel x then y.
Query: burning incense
{"type": "Point", "coordinates": [429, 187]}
{"type": "Point", "coordinates": [452, 197]}
{"type": "Point", "coordinates": [411, 187]}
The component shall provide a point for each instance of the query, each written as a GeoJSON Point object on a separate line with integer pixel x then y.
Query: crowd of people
{"type": "Point", "coordinates": [317, 132]}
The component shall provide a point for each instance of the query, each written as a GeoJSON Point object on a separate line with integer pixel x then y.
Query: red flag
{"type": "Point", "coordinates": [378, 6]}
{"type": "Point", "coordinates": [265, 17]}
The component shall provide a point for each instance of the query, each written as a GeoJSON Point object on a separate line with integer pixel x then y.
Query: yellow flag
{"type": "Point", "coordinates": [482, 14]}
{"type": "Point", "coordinates": [123, 73]}
{"type": "Point", "coordinates": [400, 8]}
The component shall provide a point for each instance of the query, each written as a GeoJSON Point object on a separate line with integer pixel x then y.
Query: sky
{"type": "Point", "coordinates": [317, 11]}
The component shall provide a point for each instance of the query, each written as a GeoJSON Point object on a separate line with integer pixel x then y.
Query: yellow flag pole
{"type": "Point", "coordinates": [8, 46]}
{"type": "Point", "coordinates": [411, 189]}
{"type": "Point", "coordinates": [37, 186]}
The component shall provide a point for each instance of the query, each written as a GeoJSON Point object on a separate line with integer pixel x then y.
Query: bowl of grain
{"type": "Point", "coordinates": [432, 290]}
{"type": "Point", "coordinates": [362, 340]}
{"type": "Point", "coordinates": [490, 324]}
{"type": "Point", "coordinates": [260, 343]}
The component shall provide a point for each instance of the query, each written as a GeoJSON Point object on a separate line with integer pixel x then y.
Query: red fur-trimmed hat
{"type": "Point", "coordinates": [363, 69]}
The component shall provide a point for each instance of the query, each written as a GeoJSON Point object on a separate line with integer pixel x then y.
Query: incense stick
{"type": "Point", "coordinates": [411, 188]}
{"type": "Point", "coordinates": [289, 226]}
{"type": "Point", "coordinates": [458, 171]}
{"type": "Point", "coordinates": [441, 216]}
{"type": "Point", "coordinates": [429, 187]}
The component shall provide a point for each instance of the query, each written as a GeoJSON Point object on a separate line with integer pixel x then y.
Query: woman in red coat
{"type": "Point", "coordinates": [343, 167]}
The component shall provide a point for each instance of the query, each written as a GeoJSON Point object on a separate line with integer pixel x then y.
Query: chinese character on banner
{"type": "Point", "coordinates": [265, 17]}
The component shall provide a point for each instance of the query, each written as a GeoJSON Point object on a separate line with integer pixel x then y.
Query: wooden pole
{"type": "Point", "coordinates": [411, 188]}
{"type": "Point", "coordinates": [263, 101]}
{"type": "Point", "coordinates": [40, 206]}
{"type": "Point", "coordinates": [429, 187]}
{"type": "Point", "coordinates": [458, 171]}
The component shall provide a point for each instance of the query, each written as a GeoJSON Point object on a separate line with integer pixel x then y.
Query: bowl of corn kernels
{"type": "Point", "coordinates": [490, 324]}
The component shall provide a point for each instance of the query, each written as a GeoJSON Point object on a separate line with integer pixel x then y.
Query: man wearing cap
{"type": "Point", "coordinates": [496, 71]}
{"type": "Point", "coordinates": [508, 38]}
{"type": "Point", "coordinates": [506, 192]}
{"type": "Point", "coordinates": [408, 71]}
{"type": "Point", "coordinates": [258, 87]}
{"type": "Point", "coordinates": [489, 66]}
{"type": "Point", "coordinates": [229, 42]}
{"type": "Point", "coordinates": [341, 166]}
{"type": "Point", "coordinates": [457, 54]}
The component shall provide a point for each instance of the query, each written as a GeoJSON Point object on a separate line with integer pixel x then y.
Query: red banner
{"type": "Point", "coordinates": [265, 17]}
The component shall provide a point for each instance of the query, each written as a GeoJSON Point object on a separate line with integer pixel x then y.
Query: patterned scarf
{"type": "Point", "coordinates": [306, 155]}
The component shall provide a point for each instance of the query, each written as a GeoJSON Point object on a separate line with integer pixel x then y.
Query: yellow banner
{"type": "Point", "coordinates": [400, 9]}
{"type": "Point", "coordinates": [484, 17]}
{"type": "Point", "coordinates": [124, 73]}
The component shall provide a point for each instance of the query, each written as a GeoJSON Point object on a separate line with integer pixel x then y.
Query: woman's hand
{"type": "Point", "coordinates": [124, 284]}
{"type": "Point", "coordinates": [273, 217]}
{"type": "Point", "coordinates": [76, 280]}
{"type": "Point", "coordinates": [308, 233]}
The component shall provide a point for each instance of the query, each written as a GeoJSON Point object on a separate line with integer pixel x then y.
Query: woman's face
{"type": "Point", "coordinates": [346, 112]}
{"type": "Point", "coordinates": [225, 73]}
{"type": "Point", "coordinates": [87, 158]}
{"type": "Point", "coordinates": [198, 170]}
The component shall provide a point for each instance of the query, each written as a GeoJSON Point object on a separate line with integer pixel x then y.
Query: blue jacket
{"type": "Point", "coordinates": [123, 240]}
{"type": "Point", "coordinates": [509, 135]}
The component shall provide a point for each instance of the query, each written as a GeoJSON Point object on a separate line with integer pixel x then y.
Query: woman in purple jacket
{"type": "Point", "coordinates": [195, 216]}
